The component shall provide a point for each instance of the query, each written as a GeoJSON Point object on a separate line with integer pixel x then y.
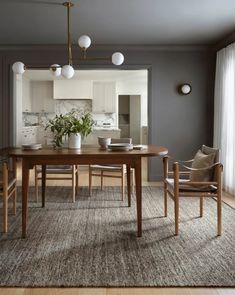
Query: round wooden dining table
{"type": "Point", "coordinates": [83, 156]}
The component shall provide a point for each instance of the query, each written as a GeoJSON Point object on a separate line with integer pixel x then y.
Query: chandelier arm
{"type": "Point", "coordinates": [95, 58]}
{"type": "Point", "coordinates": [41, 66]}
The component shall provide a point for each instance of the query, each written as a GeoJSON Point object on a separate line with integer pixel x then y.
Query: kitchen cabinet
{"type": "Point", "coordinates": [72, 89]}
{"type": "Point", "coordinates": [26, 95]}
{"type": "Point", "coordinates": [26, 105]}
{"type": "Point", "coordinates": [42, 96]}
{"type": "Point", "coordinates": [104, 97]}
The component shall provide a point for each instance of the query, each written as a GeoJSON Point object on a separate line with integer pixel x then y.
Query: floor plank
{"type": "Point", "coordinates": [204, 291]}
{"type": "Point", "coordinates": [117, 291]}
{"type": "Point", "coordinates": [227, 291]}
{"type": "Point", "coordinates": [148, 291]}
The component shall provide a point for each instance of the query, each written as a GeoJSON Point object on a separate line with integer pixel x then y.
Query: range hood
{"type": "Point", "coordinates": [72, 89]}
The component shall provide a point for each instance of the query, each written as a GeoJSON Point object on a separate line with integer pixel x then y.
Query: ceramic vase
{"type": "Point", "coordinates": [74, 141]}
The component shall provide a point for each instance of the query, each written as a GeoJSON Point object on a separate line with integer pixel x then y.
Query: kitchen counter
{"type": "Point", "coordinates": [31, 126]}
{"type": "Point", "coordinates": [106, 128]}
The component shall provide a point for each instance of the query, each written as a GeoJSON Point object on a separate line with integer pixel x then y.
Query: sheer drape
{"type": "Point", "coordinates": [224, 116]}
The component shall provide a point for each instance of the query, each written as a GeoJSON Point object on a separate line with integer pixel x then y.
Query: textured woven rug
{"type": "Point", "coordinates": [93, 243]}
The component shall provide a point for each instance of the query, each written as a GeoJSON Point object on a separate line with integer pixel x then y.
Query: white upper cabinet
{"type": "Point", "coordinates": [72, 89]}
{"type": "Point", "coordinates": [42, 99]}
{"type": "Point", "coordinates": [104, 97]}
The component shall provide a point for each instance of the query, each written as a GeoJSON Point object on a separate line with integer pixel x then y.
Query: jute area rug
{"type": "Point", "coordinates": [93, 243]}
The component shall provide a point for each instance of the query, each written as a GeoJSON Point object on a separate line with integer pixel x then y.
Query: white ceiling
{"type": "Point", "coordinates": [117, 75]}
{"type": "Point", "coordinates": [117, 21]}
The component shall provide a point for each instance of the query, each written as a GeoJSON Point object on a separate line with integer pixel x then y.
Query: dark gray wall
{"type": "Point", "coordinates": [181, 123]}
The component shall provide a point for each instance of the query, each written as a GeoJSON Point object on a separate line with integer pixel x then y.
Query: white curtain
{"type": "Point", "coordinates": [224, 116]}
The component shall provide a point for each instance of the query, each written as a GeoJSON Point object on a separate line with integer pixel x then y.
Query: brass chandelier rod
{"type": "Point", "coordinates": [69, 43]}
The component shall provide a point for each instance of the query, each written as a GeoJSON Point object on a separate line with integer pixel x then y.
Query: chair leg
{"type": "Point", "coordinates": [15, 185]}
{"type": "Point", "coordinates": [14, 196]}
{"type": "Point", "coordinates": [101, 180]}
{"type": "Point", "coordinates": [5, 212]}
{"type": "Point", "coordinates": [90, 180]}
{"type": "Point", "coordinates": [165, 185]}
{"type": "Point", "coordinates": [129, 183]}
{"type": "Point", "coordinates": [132, 180]}
{"type": "Point", "coordinates": [176, 196]}
{"type": "Point", "coordinates": [123, 183]}
{"type": "Point", "coordinates": [73, 182]}
{"type": "Point", "coordinates": [201, 206]}
{"type": "Point", "coordinates": [219, 214]}
{"type": "Point", "coordinates": [36, 182]}
{"type": "Point", "coordinates": [176, 200]}
{"type": "Point", "coordinates": [5, 197]}
{"type": "Point", "coordinates": [165, 199]}
{"type": "Point", "coordinates": [77, 179]}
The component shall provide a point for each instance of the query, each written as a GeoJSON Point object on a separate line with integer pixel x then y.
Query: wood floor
{"type": "Point", "coordinates": [117, 291]}
{"type": "Point", "coordinates": [83, 180]}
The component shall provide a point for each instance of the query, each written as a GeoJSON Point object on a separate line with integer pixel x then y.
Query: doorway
{"type": "Point", "coordinates": [129, 117]}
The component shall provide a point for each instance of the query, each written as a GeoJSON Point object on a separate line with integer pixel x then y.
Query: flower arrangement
{"type": "Point", "coordinates": [73, 122]}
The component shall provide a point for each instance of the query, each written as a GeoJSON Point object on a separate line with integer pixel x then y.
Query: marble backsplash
{"type": "Point", "coordinates": [63, 106]}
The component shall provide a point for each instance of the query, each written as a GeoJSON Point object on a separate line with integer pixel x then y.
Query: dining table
{"type": "Point", "coordinates": [84, 156]}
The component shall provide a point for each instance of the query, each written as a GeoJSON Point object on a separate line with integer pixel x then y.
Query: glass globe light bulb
{"type": "Point", "coordinates": [186, 89]}
{"type": "Point", "coordinates": [55, 70]}
{"type": "Point", "coordinates": [18, 68]}
{"type": "Point", "coordinates": [67, 71]}
{"type": "Point", "coordinates": [84, 41]}
{"type": "Point", "coordinates": [117, 58]}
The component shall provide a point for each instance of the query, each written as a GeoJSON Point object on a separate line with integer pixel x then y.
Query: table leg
{"type": "Point", "coordinates": [43, 185]}
{"type": "Point", "coordinates": [25, 188]}
{"type": "Point", "coordinates": [128, 171]}
{"type": "Point", "coordinates": [138, 185]}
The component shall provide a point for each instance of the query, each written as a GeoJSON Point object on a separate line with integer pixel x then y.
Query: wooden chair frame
{"type": "Point", "coordinates": [111, 171]}
{"type": "Point", "coordinates": [8, 189]}
{"type": "Point", "coordinates": [104, 172]}
{"type": "Point", "coordinates": [175, 192]}
{"type": "Point", "coordinates": [71, 175]}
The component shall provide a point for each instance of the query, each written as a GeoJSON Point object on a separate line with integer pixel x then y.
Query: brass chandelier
{"type": "Point", "coordinates": [67, 71]}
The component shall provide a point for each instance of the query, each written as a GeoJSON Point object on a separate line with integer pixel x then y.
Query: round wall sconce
{"type": "Point", "coordinates": [185, 89]}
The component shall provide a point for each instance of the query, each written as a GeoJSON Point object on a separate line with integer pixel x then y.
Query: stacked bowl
{"type": "Point", "coordinates": [104, 142]}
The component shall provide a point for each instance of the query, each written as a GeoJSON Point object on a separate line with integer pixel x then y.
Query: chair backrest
{"type": "Point", "coordinates": [209, 150]}
{"type": "Point", "coordinates": [121, 140]}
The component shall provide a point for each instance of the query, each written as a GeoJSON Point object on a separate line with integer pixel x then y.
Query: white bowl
{"type": "Point", "coordinates": [104, 142]}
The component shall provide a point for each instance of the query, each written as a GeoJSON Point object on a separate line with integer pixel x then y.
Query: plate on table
{"type": "Point", "coordinates": [120, 146]}
{"type": "Point", "coordinates": [31, 146]}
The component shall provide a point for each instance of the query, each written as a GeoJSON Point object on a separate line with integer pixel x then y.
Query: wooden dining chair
{"type": "Point", "coordinates": [8, 188]}
{"type": "Point", "coordinates": [201, 179]}
{"type": "Point", "coordinates": [68, 172]}
{"type": "Point", "coordinates": [111, 171]}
